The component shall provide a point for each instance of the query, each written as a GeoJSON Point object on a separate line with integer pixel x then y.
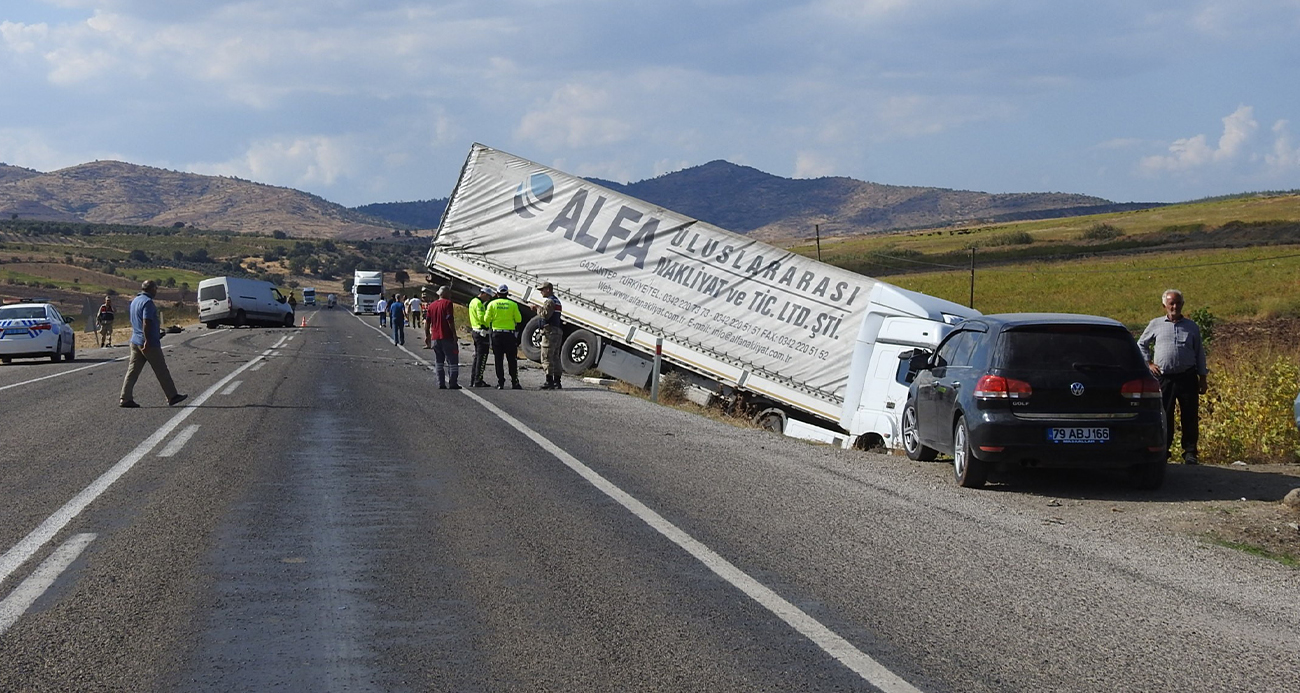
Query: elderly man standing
{"type": "Point", "coordinates": [441, 320]}
{"type": "Point", "coordinates": [1178, 362]}
{"type": "Point", "coordinates": [146, 346]}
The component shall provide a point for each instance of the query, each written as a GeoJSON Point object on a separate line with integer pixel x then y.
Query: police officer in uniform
{"type": "Point", "coordinates": [502, 317]}
{"type": "Point", "coordinates": [552, 335]}
{"type": "Point", "coordinates": [482, 334]}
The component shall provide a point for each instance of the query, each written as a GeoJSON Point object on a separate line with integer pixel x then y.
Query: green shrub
{"type": "Point", "coordinates": [1247, 415]}
{"type": "Point", "coordinates": [1006, 238]}
{"type": "Point", "coordinates": [1101, 232]}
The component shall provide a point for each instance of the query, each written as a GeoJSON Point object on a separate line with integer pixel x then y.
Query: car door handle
{"type": "Point", "coordinates": [956, 384]}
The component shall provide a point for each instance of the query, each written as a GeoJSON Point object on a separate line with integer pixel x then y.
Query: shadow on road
{"type": "Point", "coordinates": [1182, 483]}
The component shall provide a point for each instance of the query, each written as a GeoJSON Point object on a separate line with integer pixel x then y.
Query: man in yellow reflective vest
{"type": "Point", "coordinates": [502, 317]}
{"type": "Point", "coordinates": [482, 335]}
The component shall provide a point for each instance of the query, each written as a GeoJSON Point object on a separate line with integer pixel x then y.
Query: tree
{"type": "Point", "coordinates": [347, 284]}
{"type": "Point", "coordinates": [401, 277]}
{"type": "Point", "coordinates": [279, 234]}
{"type": "Point", "coordinates": [139, 255]}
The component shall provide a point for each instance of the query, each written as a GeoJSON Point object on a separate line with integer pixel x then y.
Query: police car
{"type": "Point", "coordinates": [35, 330]}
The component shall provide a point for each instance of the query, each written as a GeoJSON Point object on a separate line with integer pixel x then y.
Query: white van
{"type": "Point", "coordinates": [238, 302]}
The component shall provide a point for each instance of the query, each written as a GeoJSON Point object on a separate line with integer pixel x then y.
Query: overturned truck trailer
{"type": "Point", "coordinates": [810, 349]}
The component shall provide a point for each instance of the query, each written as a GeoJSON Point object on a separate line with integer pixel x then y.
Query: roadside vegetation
{"type": "Point", "coordinates": [1236, 259]}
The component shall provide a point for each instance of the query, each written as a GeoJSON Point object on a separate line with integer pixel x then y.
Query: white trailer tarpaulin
{"type": "Point", "coordinates": [791, 317]}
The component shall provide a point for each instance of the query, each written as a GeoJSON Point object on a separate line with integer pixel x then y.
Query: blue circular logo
{"type": "Point", "coordinates": [533, 194]}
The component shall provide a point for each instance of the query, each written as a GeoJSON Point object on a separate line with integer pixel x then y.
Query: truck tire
{"type": "Point", "coordinates": [912, 436]}
{"type": "Point", "coordinates": [531, 341]}
{"type": "Point", "coordinates": [578, 354]}
{"type": "Point", "coordinates": [772, 419]}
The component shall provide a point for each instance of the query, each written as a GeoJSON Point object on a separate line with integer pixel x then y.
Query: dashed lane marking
{"type": "Point", "coordinates": [179, 441]}
{"type": "Point", "coordinates": [31, 589]}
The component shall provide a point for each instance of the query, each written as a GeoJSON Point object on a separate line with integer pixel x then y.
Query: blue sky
{"type": "Point", "coordinates": [365, 101]}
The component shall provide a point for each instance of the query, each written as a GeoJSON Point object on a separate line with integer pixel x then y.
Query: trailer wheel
{"type": "Point", "coordinates": [772, 419]}
{"type": "Point", "coordinates": [579, 352]}
{"type": "Point", "coordinates": [531, 342]}
{"type": "Point", "coordinates": [870, 442]}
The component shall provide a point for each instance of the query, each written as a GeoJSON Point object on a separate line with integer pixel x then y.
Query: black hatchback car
{"type": "Point", "coordinates": [1036, 390]}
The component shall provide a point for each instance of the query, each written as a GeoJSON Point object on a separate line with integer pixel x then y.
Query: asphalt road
{"type": "Point", "coordinates": [320, 517]}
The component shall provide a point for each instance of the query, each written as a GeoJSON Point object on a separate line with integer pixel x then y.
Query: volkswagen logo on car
{"type": "Point", "coordinates": [532, 194]}
{"type": "Point", "coordinates": [1076, 389]}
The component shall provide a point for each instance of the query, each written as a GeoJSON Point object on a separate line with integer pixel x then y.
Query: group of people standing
{"type": "Point", "coordinates": [494, 321]}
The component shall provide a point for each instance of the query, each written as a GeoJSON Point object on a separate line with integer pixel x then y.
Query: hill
{"type": "Point", "coordinates": [749, 201]}
{"type": "Point", "coordinates": [422, 214]}
{"type": "Point", "coordinates": [114, 192]}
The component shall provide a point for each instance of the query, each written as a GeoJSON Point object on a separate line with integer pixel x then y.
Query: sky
{"type": "Point", "coordinates": [363, 101]}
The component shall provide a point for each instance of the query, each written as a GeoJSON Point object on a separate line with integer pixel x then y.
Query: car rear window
{"type": "Point", "coordinates": [215, 292]}
{"type": "Point", "coordinates": [23, 313]}
{"type": "Point", "coordinates": [1069, 347]}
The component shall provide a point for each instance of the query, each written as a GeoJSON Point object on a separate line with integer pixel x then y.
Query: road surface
{"type": "Point", "coordinates": [319, 517]}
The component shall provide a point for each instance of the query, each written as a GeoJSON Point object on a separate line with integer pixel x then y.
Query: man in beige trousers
{"type": "Point", "coordinates": [146, 347]}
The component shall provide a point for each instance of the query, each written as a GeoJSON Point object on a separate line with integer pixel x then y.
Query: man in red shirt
{"type": "Point", "coordinates": [441, 324]}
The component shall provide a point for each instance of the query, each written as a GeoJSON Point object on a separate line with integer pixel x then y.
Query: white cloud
{"type": "Point", "coordinates": [1285, 156]}
{"type": "Point", "coordinates": [1190, 153]}
{"type": "Point", "coordinates": [814, 165]}
{"type": "Point", "coordinates": [576, 116]}
{"type": "Point", "coordinates": [304, 162]}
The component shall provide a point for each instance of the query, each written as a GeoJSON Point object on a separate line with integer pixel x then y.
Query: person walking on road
{"type": "Point", "coordinates": [551, 313]}
{"type": "Point", "coordinates": [1178, 362]}
{"type": "Point", "coordinates": [482, 335]}
{"type": "Point", "coordinates": [381, 307]}
{"type": "Point", "coordinates": [146, 347]}
{"type": "Point", "coordinates": [446, 349]}
{"type": "Point", "coordinates": [414, 312]}
{"type": "Point", "coordinates": [104, 322]}
{"type": "Point", "coordinates": [502, 317]}
{"type": "Point", "coordinates": [397, 318]}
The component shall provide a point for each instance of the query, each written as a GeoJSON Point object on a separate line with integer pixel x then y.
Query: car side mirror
{"type": "Point", "coordinates": [917, 361]}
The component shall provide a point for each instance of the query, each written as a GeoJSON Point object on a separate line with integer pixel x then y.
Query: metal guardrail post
{"type": "Point", "coordinates": [654, 373]}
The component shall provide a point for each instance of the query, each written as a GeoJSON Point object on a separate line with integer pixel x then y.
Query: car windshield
{"type": "Point", "coordinates": [1070, 347]}
{"type": "Point", "coordinates": [369, 289]}
{"type": "Point", "coordinates": [22, 313]}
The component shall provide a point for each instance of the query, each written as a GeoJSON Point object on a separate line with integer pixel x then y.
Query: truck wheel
{"type": "Point", "coordinates": [870, 442]}
{"type": "Point", "coordinates": [912, 437]}
{"type": "Point", "coordinates": [579, 352]}
{"type": "Point", "coordinates": [970, 471]}
{"type": "Point", "coordinates": [531, 342]}
{"type": "Point", "coordinates": [771, 419]}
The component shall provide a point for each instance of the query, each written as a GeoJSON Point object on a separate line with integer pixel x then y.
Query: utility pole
{"type": "Point", "coordinates": [817, 228]}
{"type": "Point", "coordinates": [972, 277]}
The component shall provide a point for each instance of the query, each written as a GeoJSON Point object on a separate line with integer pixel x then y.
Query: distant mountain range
{"type": "Point", "coordinates": [113, 192]}
{"type": "Point", "coordinates": [737, 198]}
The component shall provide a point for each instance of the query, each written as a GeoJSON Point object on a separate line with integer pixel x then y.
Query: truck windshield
{"type": "Point", "coordinates": [369, 289]}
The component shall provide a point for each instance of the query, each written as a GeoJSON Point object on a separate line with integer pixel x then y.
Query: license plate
{"type": "Point", "coordinates": [1078, 435]}
{"type": "Point", "coordinates": [15, 331]}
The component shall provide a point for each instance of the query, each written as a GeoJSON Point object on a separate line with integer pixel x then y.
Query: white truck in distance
{"type": "Point", "coordinates": [810, 349]}
{"type": "Point", "coordinates": [367, 289]}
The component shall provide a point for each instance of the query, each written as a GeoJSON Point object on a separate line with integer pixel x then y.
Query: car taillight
{"type": "Point", "coordinates": [1142, 388]}
{"type": "Point", "coordinates": [998, 387]}
{"type": "Point", "coordinates": [41, 326]}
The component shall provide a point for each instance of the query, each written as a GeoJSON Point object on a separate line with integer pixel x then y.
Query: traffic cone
{"type": "Point", "coordinates": [304, 321]}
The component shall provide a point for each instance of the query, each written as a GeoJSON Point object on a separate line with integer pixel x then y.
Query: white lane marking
{"type": "Point", "coordinates": [179, 441]}
{"type": "Point", "coordinates": [232, 387]}
{"type": "Point", "coordinates": [31, 589]}
{"type": "Point", "coordinates": [829, 641]}
{"type": "Point", "coordinates": [290, 338]}
{"type": "Point", "coordinates": [70, 372]}
{"type": "Point", "coordinates": [30, 544]}
{"type": "Point", "coordinates": [259, 365]}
